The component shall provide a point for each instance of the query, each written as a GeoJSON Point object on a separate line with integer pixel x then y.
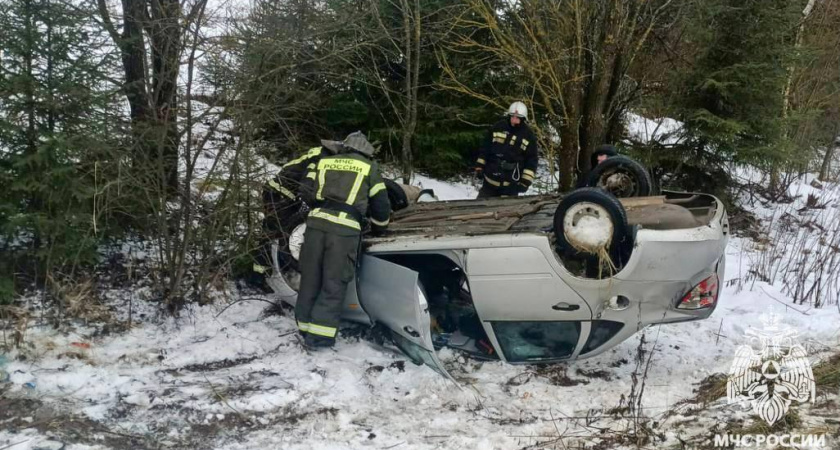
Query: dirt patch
{"type": "Point", "coordinates": [18, 414]}
{"type": "Point", "coordinates": [744, 223]}
{"type": "Point", "coordinates": [709, 390]}
{"type": "Point", "coordinates": [596, 373]}
{"type": "Point", "coordinates": [398, 365]}
{"type": "Point", "coordinates": [214, 365]}
{"type": "Point", "coordinates": [26, 413]}
{"type": "Point", "coordinates": [827, 375]}
{"type": "Point", "coordinates": [553, 374]}
{"type": "Point", "coordinates": [619, 363]}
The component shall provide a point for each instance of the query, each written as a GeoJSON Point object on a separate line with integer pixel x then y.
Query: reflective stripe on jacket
{"type": "Point", "coordinates": [287, 182]}
{"type": "Point", "coordinates": [348, 180]}
{"type": "Point", "coordinates": [509, 155]}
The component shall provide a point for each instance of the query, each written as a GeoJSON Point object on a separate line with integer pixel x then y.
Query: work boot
{"type": "Point", "coordinates": [257, 281]}
{"type": "Point", "coordinates": [313, 341]}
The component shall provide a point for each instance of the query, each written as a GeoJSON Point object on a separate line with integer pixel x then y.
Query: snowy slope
{"type": "Point", "coordinates": [226, 376]}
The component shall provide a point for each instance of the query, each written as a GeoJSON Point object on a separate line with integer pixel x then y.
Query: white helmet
{"type": "Point", "coordinates": [518, 109]}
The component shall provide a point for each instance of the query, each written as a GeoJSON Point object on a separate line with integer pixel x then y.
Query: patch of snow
{"type": "Point", "coordinates": [664, 130]}
{"type": "Point", "coordinates": [227, 376]}
{"type": "Point", "coordinates": [212, 363]}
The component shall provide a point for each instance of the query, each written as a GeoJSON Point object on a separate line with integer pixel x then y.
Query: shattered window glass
{"type": "Point", "coordinates": [529, 341]}
{"type": "Point", "coordinates": [418, 354]}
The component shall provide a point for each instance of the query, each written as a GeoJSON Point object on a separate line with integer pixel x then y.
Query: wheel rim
{"type": "Point", "coordinates": [619, 183]}
{"type": "Point", "coordinates": [296, 241]}
{"type": "Point", "coordinates": [588, 227]}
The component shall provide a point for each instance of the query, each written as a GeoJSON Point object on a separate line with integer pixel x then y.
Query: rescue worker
{"type": "Point", "coordinates": [599, 155]}
{"type": "Point", "coordinates": [508, 158]}
{"type": "Point", "coordinates": [283, 209]}
{"type": "Point", "coordinates": [342, 189]}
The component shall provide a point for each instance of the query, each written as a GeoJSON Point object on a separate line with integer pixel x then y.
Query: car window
{"type": "Point", "coordinates": [418, 354]}
{"type": "Point", "coordinates": [602, 331]}
{"type": "Point", "coordinates": [527, 341]}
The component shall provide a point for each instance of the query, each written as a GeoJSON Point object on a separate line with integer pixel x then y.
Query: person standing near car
{"type": "Point", "coordinates": [508, 158]}
{"type": "Point", "coordinates": [283, 209]}
{"type": "Point", "coordinates": [343, 189]}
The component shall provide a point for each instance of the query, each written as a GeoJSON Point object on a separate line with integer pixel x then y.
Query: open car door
{"type": "Point", "coordinates": [391, 295]}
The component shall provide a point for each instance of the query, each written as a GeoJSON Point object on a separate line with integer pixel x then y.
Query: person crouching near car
{"type": "Point", "coordinates": [599, 155]}
{"type": "Point", "coordinates": [343, 189]}
{"type": "Point", "coordinates": [508, 158]}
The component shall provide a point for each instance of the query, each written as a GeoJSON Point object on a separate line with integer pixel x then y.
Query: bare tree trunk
{"type": "Point", "coordinates": [36, 202]}
{"type": "Point", "coordinates": [569, 138]}
{"type": "Point", "coordinates": [595, 106]}
{"type": "Point", "coordinates": [132, 51]}
{"type": "Point", "coordinates": [166, 51]}
{"type": "Point", "coordinates": [153, 114]}
{"type": "Point", "coordinates": [50, 77]}
{"type": "Point", "coordinates": [29, 83]}
{"type": "Point", "coordinates": [415, 79]}
{"type": "Point", "coordinates": [786, 93]}
{"type": "Point", "coordinates": [411, 56]}
{"type": "Point", "coordinates": [825, 168]}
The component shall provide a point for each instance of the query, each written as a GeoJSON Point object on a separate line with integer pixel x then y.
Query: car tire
{"type": "Point", "coordinates": [396, 195]}
{"type": "Point", "coordinates": [622, 177]}
{"type": "Point", "coordinates": [602, 210]}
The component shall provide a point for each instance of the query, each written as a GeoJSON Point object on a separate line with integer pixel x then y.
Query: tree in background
{"type": "Point", "coordinates": [152, 31]}
{"type": "Point", "coordinates": [388, 66]}
{"type": "Point", "coordinates": [287, 58]}
{"type": "Point", "coordinates": [726, 72]}
{"type": "Point", "coordinates": [814, 84]}
{"type": "Point", "coordinates": [56, 135]}
{"type": "Point", "coordinates": [571, 61]}
{"type": "Point", "coordinates": [318, 70]}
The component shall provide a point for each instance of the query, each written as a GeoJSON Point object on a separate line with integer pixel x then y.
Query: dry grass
{"type": "Point", "coordinates": [78, 299]}
{"type": "Point", "coordinates": [827, 374]}
{"type": "Point", "coordinates": [800, 248]}
{"type": "Point", "coordinates": [791, 421]}
{"type": "Point", "coordinates": [17, 319]}
{"type": "Point", "coordinates": [711, 389]}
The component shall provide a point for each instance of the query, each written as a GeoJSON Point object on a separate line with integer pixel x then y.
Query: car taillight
{"type": "Point", "coordinates": [704, 295]}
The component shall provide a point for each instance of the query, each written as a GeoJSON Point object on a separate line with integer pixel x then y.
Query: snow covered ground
{"type": "Point", "coordinates": [230, 376]}
{"type": "Point", "coordinates": [664, 130]}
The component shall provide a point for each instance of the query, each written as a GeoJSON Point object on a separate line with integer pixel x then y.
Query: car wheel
{"type": "Point", "coordinates": [296, 241]}
{"type": "Point", "coordinates": [589, 222]}
{"type": "Point", "coordinates": [622, 177]}
{"type": "Point", "coordinates": [396, 195]}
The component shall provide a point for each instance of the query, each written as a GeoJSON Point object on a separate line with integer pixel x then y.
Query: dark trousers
{"type": "Point", "coordinates": [327, 264]}
{"type": "Point", "coordinates": [488, 191]}
{"type": "Point", "coordinates": [282, 215]}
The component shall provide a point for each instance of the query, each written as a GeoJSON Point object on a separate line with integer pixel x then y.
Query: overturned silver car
{"type": "Point", "coordinates": [537, 279]}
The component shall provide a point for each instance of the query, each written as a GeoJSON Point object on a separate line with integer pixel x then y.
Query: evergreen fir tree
{"type": "Point", "coordinates": [54, 135]}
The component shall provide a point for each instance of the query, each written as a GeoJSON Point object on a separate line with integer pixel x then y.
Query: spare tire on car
{"type": "Point", "coordinates": [622, 177]}
{"type": "Point", "coordinates": [591, 223]}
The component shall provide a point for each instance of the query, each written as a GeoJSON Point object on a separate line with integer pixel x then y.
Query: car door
{"type": "Point", "coordinates": [528, 311]}
{"type": "Point", "coordinates": [392, 296]}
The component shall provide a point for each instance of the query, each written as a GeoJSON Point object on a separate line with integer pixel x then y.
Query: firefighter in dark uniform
{"type": "Point", "coordinates": [283, 208]}
{"type": "Point", "coordinates": [343, 189]}
{"type": "Point", "coordinates": [508, 158]}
